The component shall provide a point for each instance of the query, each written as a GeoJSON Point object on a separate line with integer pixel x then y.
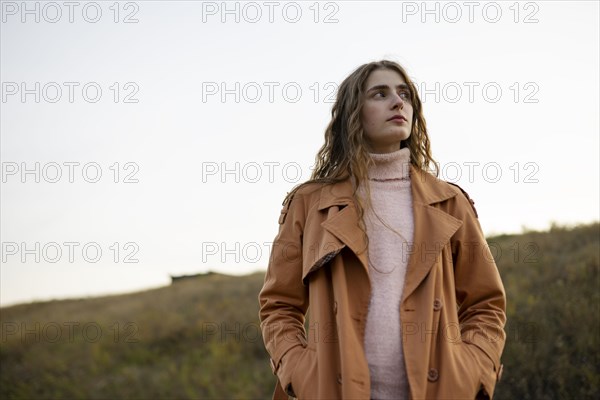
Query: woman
{"type": "Point", "coordinates": [405, 298]}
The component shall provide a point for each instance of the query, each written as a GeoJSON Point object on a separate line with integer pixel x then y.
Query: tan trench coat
{"type": "Point", "coordinates": [452, 312]}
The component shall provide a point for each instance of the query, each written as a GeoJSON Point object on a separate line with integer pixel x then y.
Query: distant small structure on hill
{"type": "Point", "coordinates": [179, 278]}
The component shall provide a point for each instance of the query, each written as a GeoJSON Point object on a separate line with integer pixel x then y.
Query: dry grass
{"type": "Point", "coordinates": [199, 338]}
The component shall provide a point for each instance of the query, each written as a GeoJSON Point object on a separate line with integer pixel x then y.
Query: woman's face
{"type": "Point", "coordinates": [387, 112]}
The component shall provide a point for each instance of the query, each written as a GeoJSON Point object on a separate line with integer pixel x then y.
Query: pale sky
{"type": "Point", "coordinates": [199, 118]}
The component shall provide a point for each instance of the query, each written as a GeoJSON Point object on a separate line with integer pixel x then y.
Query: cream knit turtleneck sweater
{"type": "Point", "coordinates": [391, 198]}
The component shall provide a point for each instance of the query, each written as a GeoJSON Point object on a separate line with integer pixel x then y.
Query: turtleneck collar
{"type": "Point", "coordinates": [390, 166]}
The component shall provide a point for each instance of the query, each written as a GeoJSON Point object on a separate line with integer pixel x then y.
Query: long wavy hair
{"type": "Point", "coordinates": [344, 152]}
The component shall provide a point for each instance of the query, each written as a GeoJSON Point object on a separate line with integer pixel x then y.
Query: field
{"type": "Point", "coordinates": [199, 338]}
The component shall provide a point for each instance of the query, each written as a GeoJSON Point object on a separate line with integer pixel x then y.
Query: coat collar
{"type": "Point", "coordinates": [426, 188]}
{"type": "Point", "coordinates": [433, 227]}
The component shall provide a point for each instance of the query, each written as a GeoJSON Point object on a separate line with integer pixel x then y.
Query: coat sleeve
{"type": "Point", "coordinates": [283, 298]}
{"type": "Point", "coordinates": [480, 295]}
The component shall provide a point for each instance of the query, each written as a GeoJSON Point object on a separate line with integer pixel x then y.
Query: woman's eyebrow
{"type": "Point", "coordinates": [379, 87]}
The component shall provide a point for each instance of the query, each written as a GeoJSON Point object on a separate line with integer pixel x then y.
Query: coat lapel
{"type": "Point", "coordinates": [433, 227]}
{"type": "Point", "coordinates": [340, 228]}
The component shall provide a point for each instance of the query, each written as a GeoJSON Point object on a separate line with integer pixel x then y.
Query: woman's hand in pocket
{"type": "Point", "coordinates": [303, 379]}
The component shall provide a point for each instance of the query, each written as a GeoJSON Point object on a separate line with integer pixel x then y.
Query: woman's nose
{"type": "Point", "coordinates": [398, 102]}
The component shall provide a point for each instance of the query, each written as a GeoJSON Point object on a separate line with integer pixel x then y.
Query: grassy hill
{"type": "Point", "coordinates": [200, 338]}
{"type": "Point", "coordinates": [553, 307]}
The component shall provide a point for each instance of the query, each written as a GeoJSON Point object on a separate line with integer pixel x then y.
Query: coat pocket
{"type": "Point", "coordinates": [474, 368]}
{"type": "Point", "coordinates": [486, 375]}
{"type": "Point", "coordinates": [304, 377]}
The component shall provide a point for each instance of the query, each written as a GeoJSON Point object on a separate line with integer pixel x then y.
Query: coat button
{"type": "Point", "coordinates": [335, 307]}
{"type": "Point", "coordinates": [437, 304]}
{"type": "Point", "coordinates": [302, 340]}
{"type": "Point", "coordinates": [433, 375]}
{"type": "Point", "coordinates": [273, 366]}
{"type": "Point", "coordinates": [339, 379]}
